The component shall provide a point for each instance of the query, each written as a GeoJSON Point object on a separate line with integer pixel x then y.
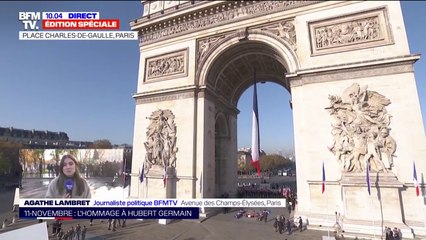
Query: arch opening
{"type": "Point", "coordinates": [232, 72]}
{"type": "Point", "coordinates": [229, 76]}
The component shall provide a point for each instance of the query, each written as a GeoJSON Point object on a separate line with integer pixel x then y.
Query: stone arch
{"type": "Point", "coordinates": [279, 48]}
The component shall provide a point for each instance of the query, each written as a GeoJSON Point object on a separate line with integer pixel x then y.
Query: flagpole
{"type": "Point", "coordinates": [424, 210]}
{"type": "Point", "coordinates": [124, 173]}
{"type": "Point", "coordinates": [139, 185]}
{"type": "Point", "coordinates": [418, 190]}
{"type": "Point", "coordinates": [327, 219]}
{"type": "Point", "coordinates": [367, 164]}
{"type": "Point", "coordinates": [372, 210]}
{"type": "Point", "coordinates": [326, 208]}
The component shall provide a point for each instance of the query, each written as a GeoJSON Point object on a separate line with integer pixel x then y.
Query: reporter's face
{"type": "Point", "coordinates": [69, 167]}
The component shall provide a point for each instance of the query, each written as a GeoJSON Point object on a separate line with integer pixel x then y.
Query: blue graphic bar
{"type": "Point", "coordinates": [111, 212]}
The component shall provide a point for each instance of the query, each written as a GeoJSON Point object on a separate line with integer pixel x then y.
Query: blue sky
{"type": "Point", "coordinates": [85, 88]}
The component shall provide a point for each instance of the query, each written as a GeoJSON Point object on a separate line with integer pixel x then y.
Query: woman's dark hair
{"type": "Point", "coordinates": [78, 180]}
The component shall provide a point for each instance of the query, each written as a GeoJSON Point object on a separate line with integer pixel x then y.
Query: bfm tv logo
{"type": "Point", "coordinates": [30, 19]}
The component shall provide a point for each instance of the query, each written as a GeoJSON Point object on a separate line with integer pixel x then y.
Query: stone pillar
{"type": "Point", "coordinates": [170, 190]}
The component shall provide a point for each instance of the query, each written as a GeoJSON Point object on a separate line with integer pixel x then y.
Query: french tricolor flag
{"type": "Point", "coordinates": [323, 178]}
{"type": "Point", "coordinates": [255, 148]}
{"type": "Point", "coordinates": [416, 183]}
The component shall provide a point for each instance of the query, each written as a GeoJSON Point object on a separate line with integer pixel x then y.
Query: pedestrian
{"type": "Point", "coordinates": [300, 223]}
{"type": "Point", "coordinates": [276, 224]}
{"type": "Point", "coordinates": [54, 227]}
{"type": "Point", "coordinates": [109, 224]}
{"type": "Point", "coordinates": [59, 226]}
{"type": "Point", "coordinates": [60, 234]}
{"type": "Point", "coordinates": [71, 235]}
{"type": "Point", "coordinates": [265, 215]}
{"type": "Point", "coordinates": [114, 224]}
{"type": "Point", "coordinates": [281, 225]}
{"type": "Point", "coordinates": [78, 231]}
{"type": "Point", "coordinates": [66, 236]}
{"type": "Point", "coordinates": [83, 233]}
{"type": "Point", "coordinates": [388, 233]}
{"type": "Point", "coordinates": [288, 226]}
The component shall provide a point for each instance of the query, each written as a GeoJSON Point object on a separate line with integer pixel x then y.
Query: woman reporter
{"type": "Point", "coordinates": [69, 183]}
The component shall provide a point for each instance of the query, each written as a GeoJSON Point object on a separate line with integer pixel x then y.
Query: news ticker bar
{"type": "Point", "coordinates": [154, 203]}
{"type": "Point", "coordinates": [108, 213]}
{"type": "Point", "coordinates": [78, 35]}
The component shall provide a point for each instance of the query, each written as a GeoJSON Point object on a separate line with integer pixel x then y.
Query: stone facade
{"type": "Point", "coordinates": [314, 50]}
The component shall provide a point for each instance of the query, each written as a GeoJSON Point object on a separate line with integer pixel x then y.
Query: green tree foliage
{"type": "Point", "coordinates": [56, 154]}
{"type": "Point", "coordinates": [9, 157]}
{"type": "Point", "coordinates": [274, 161]}
{"type": "Point", "coordinates": [101, 144]}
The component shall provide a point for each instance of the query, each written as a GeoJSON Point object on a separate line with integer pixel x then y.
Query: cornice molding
{"type": "Point", "coordinates": [354, 72]}
{"type": "Point", "coordinates": [213, 16]}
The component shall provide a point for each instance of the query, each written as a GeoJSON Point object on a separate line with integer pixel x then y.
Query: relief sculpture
{"type": "Point", "coordinates": [361, 130]}
{"type": "Point", "coordinates": [216, 17]}
{"type": "Point", "coordinates": [361, 30]}
{"type": "Point", "coordinates": [284, 30]}
{"type": "Point", "coordinates": [366, 29]}
{"type": "Point", "coordinates": [166, 66]}
{"type": "Point", "coordinates": [161, 146]}
{"type": "Point", "coordinates": [205, 45]}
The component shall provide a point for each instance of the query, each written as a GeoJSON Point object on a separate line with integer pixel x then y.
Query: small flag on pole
{"type": "Point", "coordinates": [323, 178]}
{"type": "Point", "coordinates": [141, 173]}
{"type": "Point", "coordinates": [367, 164]}
{"type": "Point", "coordinates": [416, 183]}
{"type": "Point", "coordinates": [255, 148]}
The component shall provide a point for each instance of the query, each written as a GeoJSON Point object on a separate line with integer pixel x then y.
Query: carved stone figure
{"type": "Point", "coordinates": [361, 130]}
{"type": "Point", "coordinates": [205, 45]}
{"type": "Point", "coordinates": [161, 140]}
{"type": "Point", "coordinates": [284, 30]}
{"type": "Point", "coordinates": [389, 146]}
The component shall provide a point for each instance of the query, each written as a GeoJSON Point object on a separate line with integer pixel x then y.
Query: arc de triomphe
{"type": "Point", "coordinates": [349, 70]}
